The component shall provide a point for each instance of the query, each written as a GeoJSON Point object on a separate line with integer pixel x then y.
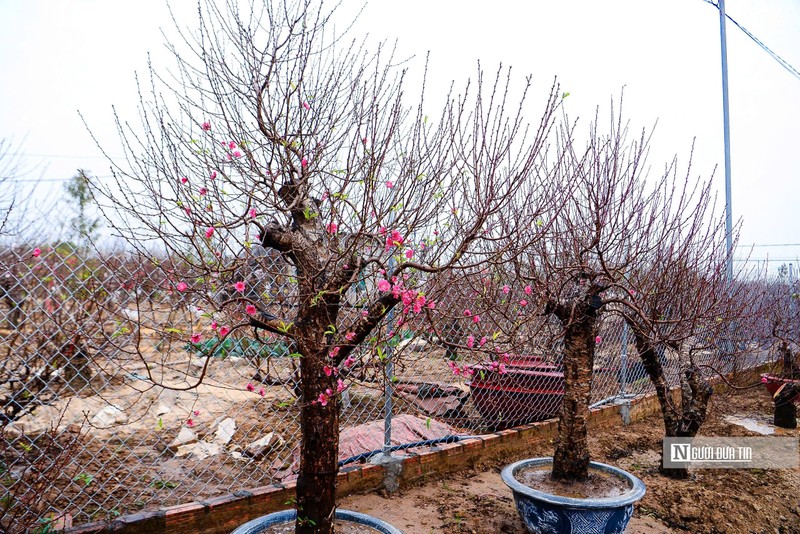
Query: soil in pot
{"type": "Point", "coordinates": [599, 485]}
{"type": "Point", "coordinates": [340, 526]}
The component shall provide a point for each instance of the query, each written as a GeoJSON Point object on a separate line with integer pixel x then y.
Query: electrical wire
{"type": "Point", "coordinates": [785, 64]}
{"type": "Point", "coordinates": [771, 245]}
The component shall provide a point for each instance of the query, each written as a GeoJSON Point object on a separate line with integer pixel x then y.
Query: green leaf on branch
{"type": "Point", "coordinates": [284, 327]}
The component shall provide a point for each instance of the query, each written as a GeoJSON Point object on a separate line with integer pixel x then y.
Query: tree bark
{"type": "Point", "coordinates": [571, 457]}
{"type": "Point", "coordinates": [319, 450]}
{"type": "Point", "coordinates": [319, 410]}
{"type": "Point", "coordinates": [683, 420]}
{"type": "Point", "coordinates": [790, 368]}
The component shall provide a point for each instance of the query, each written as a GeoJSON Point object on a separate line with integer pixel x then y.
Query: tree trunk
{"type": "Point", "coordinates": [785, 413]}
{"type": "Point", "coordinates": [319, 450]}
{"type": "Point", "coordinates": [790, 369]}
{"type": "Point", "coordinates": [571, 457]}
{"type": "Point", "coordinates": [685, 419]}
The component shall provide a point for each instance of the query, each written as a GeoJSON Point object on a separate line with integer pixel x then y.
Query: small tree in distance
{"type": "Point", "coordinates": [84, 224]}
{"type": "Point", "coordinates": [278, 134]}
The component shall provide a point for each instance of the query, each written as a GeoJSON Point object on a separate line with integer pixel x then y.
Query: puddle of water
{"type": "Point", "coordinates": [755, 426]}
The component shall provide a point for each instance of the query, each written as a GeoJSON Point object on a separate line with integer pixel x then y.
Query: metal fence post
{"type": "Point", "coordinates": [792, 326]}
{"type": "Point", "coordinates": [623, 362]}
{"type": "Point", "coordinates": [387, 400]}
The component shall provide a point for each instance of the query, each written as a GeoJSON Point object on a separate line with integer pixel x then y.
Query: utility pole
{"type": "Point", "coordinates": [726, 132]}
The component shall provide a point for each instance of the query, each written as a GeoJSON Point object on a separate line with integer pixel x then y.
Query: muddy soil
{"type": "Point", "coordinates": [712, 501]}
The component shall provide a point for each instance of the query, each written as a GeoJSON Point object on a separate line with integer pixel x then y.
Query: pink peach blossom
{"type": "Point", "coordinates": [384, 285]}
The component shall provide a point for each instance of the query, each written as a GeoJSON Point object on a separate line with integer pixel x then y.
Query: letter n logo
{"type": "Point", "coordinates": [679, 452]}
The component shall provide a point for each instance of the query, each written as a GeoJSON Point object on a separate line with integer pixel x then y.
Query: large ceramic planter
{"type": "Point", "coordinates": [774, 383]}
{"type": "Point", "coordinates": [544, 513]}
{"type": "Point", "coordinates": [257, 526]}
{"type": "Point", "coordinates": [529, 390]}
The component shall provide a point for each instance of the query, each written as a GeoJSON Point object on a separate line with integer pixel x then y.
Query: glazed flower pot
{"type": "Point", "coordinates": [544, 513]}
{"type": "Point", "coordinates": [528, 389]}
{"type": "Point", "coordinates": [774, 383]}
{"type": "Point", "coordinates": [258, 525]}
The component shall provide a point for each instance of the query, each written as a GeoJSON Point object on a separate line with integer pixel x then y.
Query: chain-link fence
{"type": "Point", "coordinates": [91, 432]}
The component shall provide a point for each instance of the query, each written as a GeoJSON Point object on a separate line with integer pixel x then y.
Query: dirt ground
{"type": "Point", "coordinates": [712, 501]}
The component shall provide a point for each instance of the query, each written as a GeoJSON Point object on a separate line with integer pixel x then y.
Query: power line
{"type": "Point", "coordinates": [772, 245]}
{"type": "Point", "coordinates": [10, 180]}
{"type": "Point", "coordinates": [766, 260]}
{"type": "Point", "coordinates": [55, 156]}
{"type": "Point", "coordinates": [785, 64]}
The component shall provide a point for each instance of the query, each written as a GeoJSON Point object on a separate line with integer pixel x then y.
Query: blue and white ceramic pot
{"type": "Point", "coordinates": [257, 526]}
{"type": "Point", "coordinates": [544, 513]}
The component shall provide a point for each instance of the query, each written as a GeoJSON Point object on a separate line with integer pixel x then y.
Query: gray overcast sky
{"type": "Point", "coordinates": [62, 56]}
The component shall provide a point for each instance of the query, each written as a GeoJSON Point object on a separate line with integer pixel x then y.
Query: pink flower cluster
{"type": "Point", "coordinates": [394, 239]}
{"type": "Point", "coordinates": [324, 397]}
{"type": "Point", "coordinates": [465, 370]}
{"type": "Point", "coordinates": [413, 301]}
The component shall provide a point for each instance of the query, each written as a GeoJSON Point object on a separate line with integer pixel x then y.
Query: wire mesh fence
{"type": "Point", "coordinates": [112, 403]}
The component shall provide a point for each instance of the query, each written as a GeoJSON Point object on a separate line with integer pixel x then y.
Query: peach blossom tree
{"type": "Point", "coordinates": [279, 147]}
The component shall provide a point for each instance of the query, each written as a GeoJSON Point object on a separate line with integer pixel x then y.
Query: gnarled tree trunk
{"type": "Point", "coordinates": [685, 419]}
